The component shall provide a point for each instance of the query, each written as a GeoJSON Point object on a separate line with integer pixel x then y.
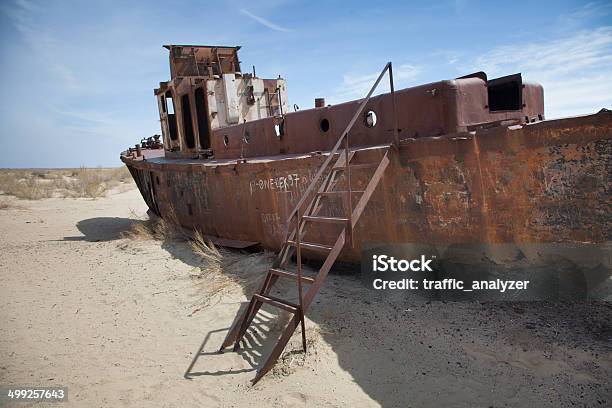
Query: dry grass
{"type": "Point", "coordinates": [220, 270]}
{"type": "Point", "coordinates": [74, 183]}
{"type": "Point", "coordinates": [210, 275]}
{"type": "Point", "coordinates": [224, 270]}
{"type": "Point", "coordinates": [159, 229]}
{"type": "Point", "coordinates": [207, 251]}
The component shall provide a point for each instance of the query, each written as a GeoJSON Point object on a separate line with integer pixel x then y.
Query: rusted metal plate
{"type": "Point", "coordinates": [472, 167]}
{"type": "Point", "coordinates": [200, 60]}
{"type": "Point", "coordinates": [543, 182]}
{"type": "Point", "coordinates": [429, 110]}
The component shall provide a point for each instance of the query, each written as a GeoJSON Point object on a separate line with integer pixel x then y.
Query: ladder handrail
{"type": "Point", "coordinates": [333, 152]}
{"type": "Point", "coordinates": [239, 328]}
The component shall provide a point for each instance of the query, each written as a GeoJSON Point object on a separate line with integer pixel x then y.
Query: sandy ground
{"type": "Point", "coordinates": [124, 322]}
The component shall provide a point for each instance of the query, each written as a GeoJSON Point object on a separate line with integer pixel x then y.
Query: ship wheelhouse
{"type": "Point", "coordinates": [207, 91]}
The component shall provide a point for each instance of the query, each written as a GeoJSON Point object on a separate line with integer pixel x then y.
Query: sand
{"type": "Point", "coordinates": [127, 322]}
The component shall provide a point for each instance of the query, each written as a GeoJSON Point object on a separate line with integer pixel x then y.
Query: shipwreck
{"type": "Point", "coordinates": [470, 160]}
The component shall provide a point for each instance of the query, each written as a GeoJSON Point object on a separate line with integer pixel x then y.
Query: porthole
{"type": "Point", "coordinates": [370, 119]}
{"type": "Point", "coordinates": [324, 125]}
{"type": "Point", "coordinates": [279, 129]}
{"type": "Point", "coordinates": [225, 140]}
{"type": "Point", "coordinates": [246, 137]}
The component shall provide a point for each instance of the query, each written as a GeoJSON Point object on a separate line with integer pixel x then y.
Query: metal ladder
{"type": "Point", "coordinates": [304, 213]}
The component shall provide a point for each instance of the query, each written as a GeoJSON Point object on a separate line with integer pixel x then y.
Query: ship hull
{"type": "Point", "coordinates": [538, 190]}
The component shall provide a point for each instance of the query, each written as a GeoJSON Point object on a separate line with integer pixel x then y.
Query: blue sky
{"type": "Point", "coordinates": [79, 75]}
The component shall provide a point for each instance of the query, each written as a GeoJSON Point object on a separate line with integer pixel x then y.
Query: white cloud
{"type": "Point", "coordinates": [44, 46]}
{"type": "Point", "coordinates": [584, 50]}
{"type": "Point", "coordinates": [575, 71]}
{"type": "Point", "coordinates": [94, 117]}
{"type": "Point", "coordinates": [588, 11]}
{"type": "Point", "coordinates": [265, 22]}
{"type": "Point", "coordinates": [356, 86]}
{"type": "Point", "coordinates": [29, 6]}
{"type": "Point", "coordinates": [65, 86]}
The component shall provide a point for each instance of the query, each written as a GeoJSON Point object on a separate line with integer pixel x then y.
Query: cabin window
{"type": "Point", "coordinates": [225, 140]}
{"type": "Point", "coordinates": [169, 103]}
{"type": "Point", "coordinates": [171, 117]}
{"type": "Point", "coordinates": [370, 119]}
{"type": "Point", "coordinates": [505, 93]}
{"type": "Point", "coordinates": [187, 122]}
{"type": "Point", "coordinates": [202, 119]}
{"type": "Point", "coordinates": [324, 125]}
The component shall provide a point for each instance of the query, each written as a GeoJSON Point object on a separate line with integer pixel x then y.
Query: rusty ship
{"type": "Point", "coordinates": [470, 160]}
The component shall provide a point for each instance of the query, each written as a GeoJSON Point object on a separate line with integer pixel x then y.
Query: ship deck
{"type": "Point", "coordinates": [155, 158]}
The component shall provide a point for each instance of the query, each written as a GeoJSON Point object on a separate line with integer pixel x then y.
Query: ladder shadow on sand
{"type": "Point", "coordinates": [254, 346]}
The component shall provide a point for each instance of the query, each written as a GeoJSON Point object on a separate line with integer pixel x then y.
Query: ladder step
{"type": "Point", "coordinates": [310, 245]}
{"type": "Point", "coordinates": [276, 302]}
{"type": "Point", "coordinates": [325, 219]}
{"type": "Point", "coordinates": [290, 275]}
{"type": "Point", "coordinates": [357, 166]}
{"type": "Point", "coordinates": [339, 192]}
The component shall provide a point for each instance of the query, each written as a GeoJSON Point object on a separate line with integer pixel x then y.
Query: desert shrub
{"type": "Point", "coordinates": [83, 182]}
{"type": "Point", "coordinates": [88, 183]}
{"type": "Point", "coordinates": [24, 185]}
{"type": "Point", "coordinates": [161, 229]}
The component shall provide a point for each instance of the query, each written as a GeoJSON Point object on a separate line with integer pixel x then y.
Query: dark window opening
{"type": "Point", "coordinates": [162, 99]}
{"type": "Point", "coordinates": [157, 179]}
{"type": "Point", "coordinates": [250, 95]}
{"type": "Point", "coordinates": [172, 128]}
{"type": "Point", "coordinates": [225, 140]}
{"type": "Point", "coordinates": [324, 125]}
{"type": "Point", "coordinates": [187, 122]}
{"type": "Point", "coordinates": [189, 209]}
{"type": "Point", "coordinates": [506, 93]}
{"type": "Point", "coordinates": [202, 118]}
